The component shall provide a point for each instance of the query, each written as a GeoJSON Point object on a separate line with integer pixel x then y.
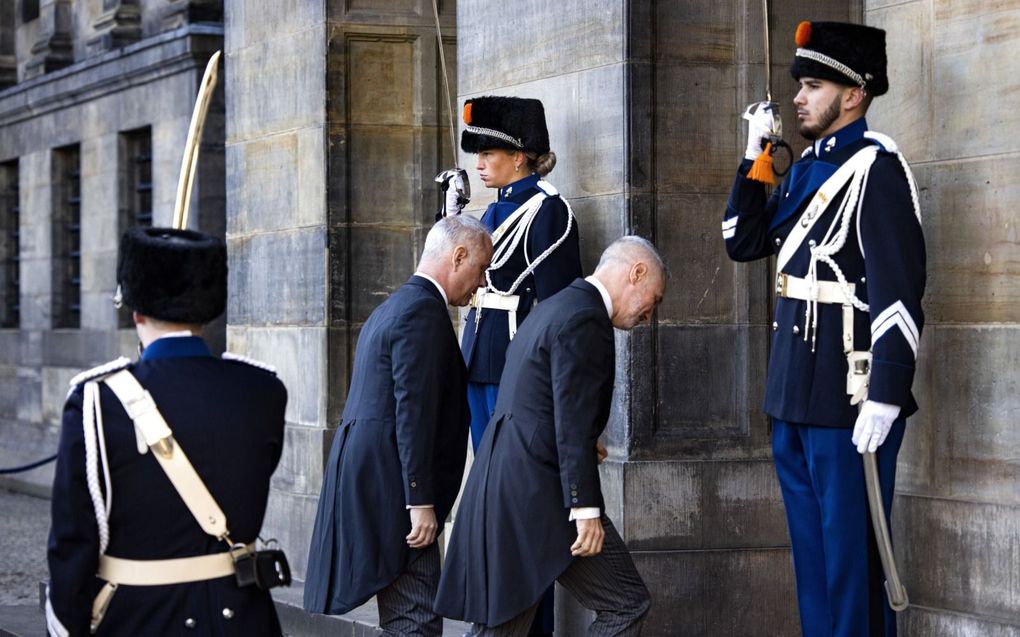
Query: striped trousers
{"type": "Point", "coordinates": [405, 606]}
{"type": "Point", "coordinates": [606, 583]}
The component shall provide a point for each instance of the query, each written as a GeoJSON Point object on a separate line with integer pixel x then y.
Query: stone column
{"type": "Point", "coordinates": [54, 46]}
{"type": "Point", "coordinates": [119, 24]}
{"type": "Point", "coordinates": [333, 137]}
{"type": "Point", "coordinates": [644, 103]}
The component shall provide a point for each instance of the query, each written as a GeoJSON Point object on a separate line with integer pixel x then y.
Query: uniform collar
{"type": "Point", "coordinates": [518, 187]}
{"type": "Point", "coordinates": [442, 292]}
{"type": "Point", "coordinates": [175, 346]}
{"type": "Point", "coordinates": [842, 138]}
{"type": "Point", "coordinates": [603, 292]}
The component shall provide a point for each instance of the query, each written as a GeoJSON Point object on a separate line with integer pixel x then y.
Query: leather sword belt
{"type": "Point", "coordinates": [484, 299]}
{"type": "Point", "coordinates": [183, 570]}
{"type": "Point", "coordinates": [830, 292]}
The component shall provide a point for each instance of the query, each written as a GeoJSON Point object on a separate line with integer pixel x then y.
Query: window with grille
{"type": "Point", "coordinates": [135, 168]}
{"type": "Point", "coordinates": [66, 227]}
{"type": "Point", "coordinates": [10, 218]}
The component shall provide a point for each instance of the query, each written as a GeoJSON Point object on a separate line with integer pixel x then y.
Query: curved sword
{"type": "Point", "coordinates": [189, 163]}
{"type": "Point", "coordinates": [893, 586]}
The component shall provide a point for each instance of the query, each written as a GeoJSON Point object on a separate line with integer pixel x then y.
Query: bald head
{"type": "Point", "coordinates": [635, 276]}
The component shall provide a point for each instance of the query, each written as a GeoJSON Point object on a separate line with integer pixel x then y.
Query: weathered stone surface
{"type": "Point", "coordinates": [720, 414]}
{"type": "Point", "coordinates": [718, 593]}
{"type": "Point", "coordinates": [304, 454]}
{"type": "Point", "coordinates": [54, 391]}
{"type": "Point", "coordinates": [288, 169]}
{"type": "Point", "coordinates": [703, 121]}
{"type": "Point", "coordinates": [959, 556]}
{"type": "Point", "coordinates": [975, 413]}
{"type": "Point", "coordinates": [278, 278]}
{"type": "Point", "coordinates": [704, 288]}
{"type": "Point", "coordinates": [968, 35]}
{"type": "Point", "coordinates": [289, 519]}
{"type": "Point", "coordinates": [673, 505]}
{"type": "Point", "coordinates": [385, 258]}
{"type": "Point", "coordinates": [924, 621]}
{"type": "Point", "coordinates": [585, 34]}
{"type": "Point", "coordinates": [916, 469]}
{"type": "Point", "coordinates": [973, 267]}
{"type": "Point", "coordinates": [907, 108]}
{"type": "Point", "coordinates": [282, 84]}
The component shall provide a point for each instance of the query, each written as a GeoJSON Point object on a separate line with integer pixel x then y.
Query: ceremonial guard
{"type": "Point", "coordinates": [846, 227]}
{"type": "Point", "coordinates": [164, 465]}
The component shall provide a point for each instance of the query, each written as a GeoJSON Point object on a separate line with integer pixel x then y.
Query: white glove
{"type": "Point", "coordinates": [455, 188]}
{"type": "Point", "coordinates": [760, 124]}
{"type": "Point", "coordinates": [873, 424]}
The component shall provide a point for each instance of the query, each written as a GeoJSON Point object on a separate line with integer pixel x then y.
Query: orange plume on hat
{"type": "Point", "coordinates": [467, 113]}
{"type": "Point", "coordinates": [803, 35]}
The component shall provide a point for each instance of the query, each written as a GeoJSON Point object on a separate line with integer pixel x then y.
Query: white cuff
{"type": "Point", "coordinates": [419, 506]}
{"type": "Point", "coordinates": [584, 513]}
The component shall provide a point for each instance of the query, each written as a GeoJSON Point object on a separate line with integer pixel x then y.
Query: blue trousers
{"type": "Point", "coordinates": [482, 401]}
{"type": "Point", "coordinates": [840, 590]}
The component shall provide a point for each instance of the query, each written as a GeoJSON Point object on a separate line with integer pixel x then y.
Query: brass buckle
{"type": "Point", "coordinates": [781, 284]}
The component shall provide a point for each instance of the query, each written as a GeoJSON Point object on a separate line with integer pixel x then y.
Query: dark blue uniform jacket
{"type": "Point", "coordinates": [485, 351]}
{"type": "Point", "coordinates": [228, 416]}
{"type": "Point", "coordinates": [884, 256]}
{"type": "Point", "coordinates": [402, 441]}
{"type": "Point", "coordinates": [537, 459]}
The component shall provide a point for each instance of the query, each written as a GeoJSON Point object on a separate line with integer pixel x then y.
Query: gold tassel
{"type": "Point", "coordinates": [761, 169]}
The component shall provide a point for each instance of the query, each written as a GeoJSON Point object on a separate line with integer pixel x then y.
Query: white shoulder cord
{"type": "Point", "coordinates": [830, 245]}
{"type": "Point", "coordinates": [91, 422]}
{"type": "Point", "coordinates": [521, 231]}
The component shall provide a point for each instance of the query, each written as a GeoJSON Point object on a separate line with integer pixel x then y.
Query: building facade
{"type": "Point", "coordinates": [317, 168]}
{"type": "Point", "coordinates": [94, 113]}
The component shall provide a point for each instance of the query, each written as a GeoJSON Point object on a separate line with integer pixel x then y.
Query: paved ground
{"type": "Point", "coordinates": [24, 527]}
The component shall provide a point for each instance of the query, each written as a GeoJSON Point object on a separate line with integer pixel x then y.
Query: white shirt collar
{"type": "Point", "coordinates": [442, 292]}
{"type": "Point", "coordinates": [179, 334]}
{"type": "Point", "coordinates": [603, 292]}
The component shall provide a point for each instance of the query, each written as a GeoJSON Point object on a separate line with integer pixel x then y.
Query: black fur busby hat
{"type": "Point", "coordinates": [513, 123]}
{"type": "Point", "coordinates": [851, 54]}
{"type": "Point", "coordinates": [178, 276]}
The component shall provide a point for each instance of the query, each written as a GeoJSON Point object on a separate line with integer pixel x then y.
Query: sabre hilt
{"type": "Point", "coordinates": [775, 136]}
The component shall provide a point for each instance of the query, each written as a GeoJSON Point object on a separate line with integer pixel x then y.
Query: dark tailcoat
{"type": "Point", "coordinates": [512, 535]}
{"type": "Point", "coordinates": [485, 348]}
{"type": "Point", "coordinates": [884, 256]}
{"type": "Point", "coordinates": [228, 416]}
{"type": "Point", "coordinates": [402, 441]}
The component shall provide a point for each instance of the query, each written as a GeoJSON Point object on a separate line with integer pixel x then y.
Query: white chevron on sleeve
{"type": "Point", "coordinates": [729, 227]}
{"type": "Point", "coordinates": [896, 315]}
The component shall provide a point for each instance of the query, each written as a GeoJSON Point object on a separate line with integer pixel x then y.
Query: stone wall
{"type": "Point", "coordinates": [152, 83]}
{"type": "Point", "coordinates": [953, 109]}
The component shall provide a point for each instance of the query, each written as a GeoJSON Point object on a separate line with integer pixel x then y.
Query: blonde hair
{"type": "Point", "coordinates": [541, 164]}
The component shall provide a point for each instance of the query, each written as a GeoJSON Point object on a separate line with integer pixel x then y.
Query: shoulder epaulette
{"type": "Point", "coordinates": [884, 142]}
{"type": "Point", "coordinates": [547, 188]}
{"type": "Point", "coordinates": [100, 371]}
{"type": "Point", "coordinates": [230, 356]}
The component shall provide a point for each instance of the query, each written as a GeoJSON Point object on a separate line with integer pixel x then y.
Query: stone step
{"type": "Point", "coordinates": [22, 620]}
{"type": "Point", "coordinates": [360, 622]}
